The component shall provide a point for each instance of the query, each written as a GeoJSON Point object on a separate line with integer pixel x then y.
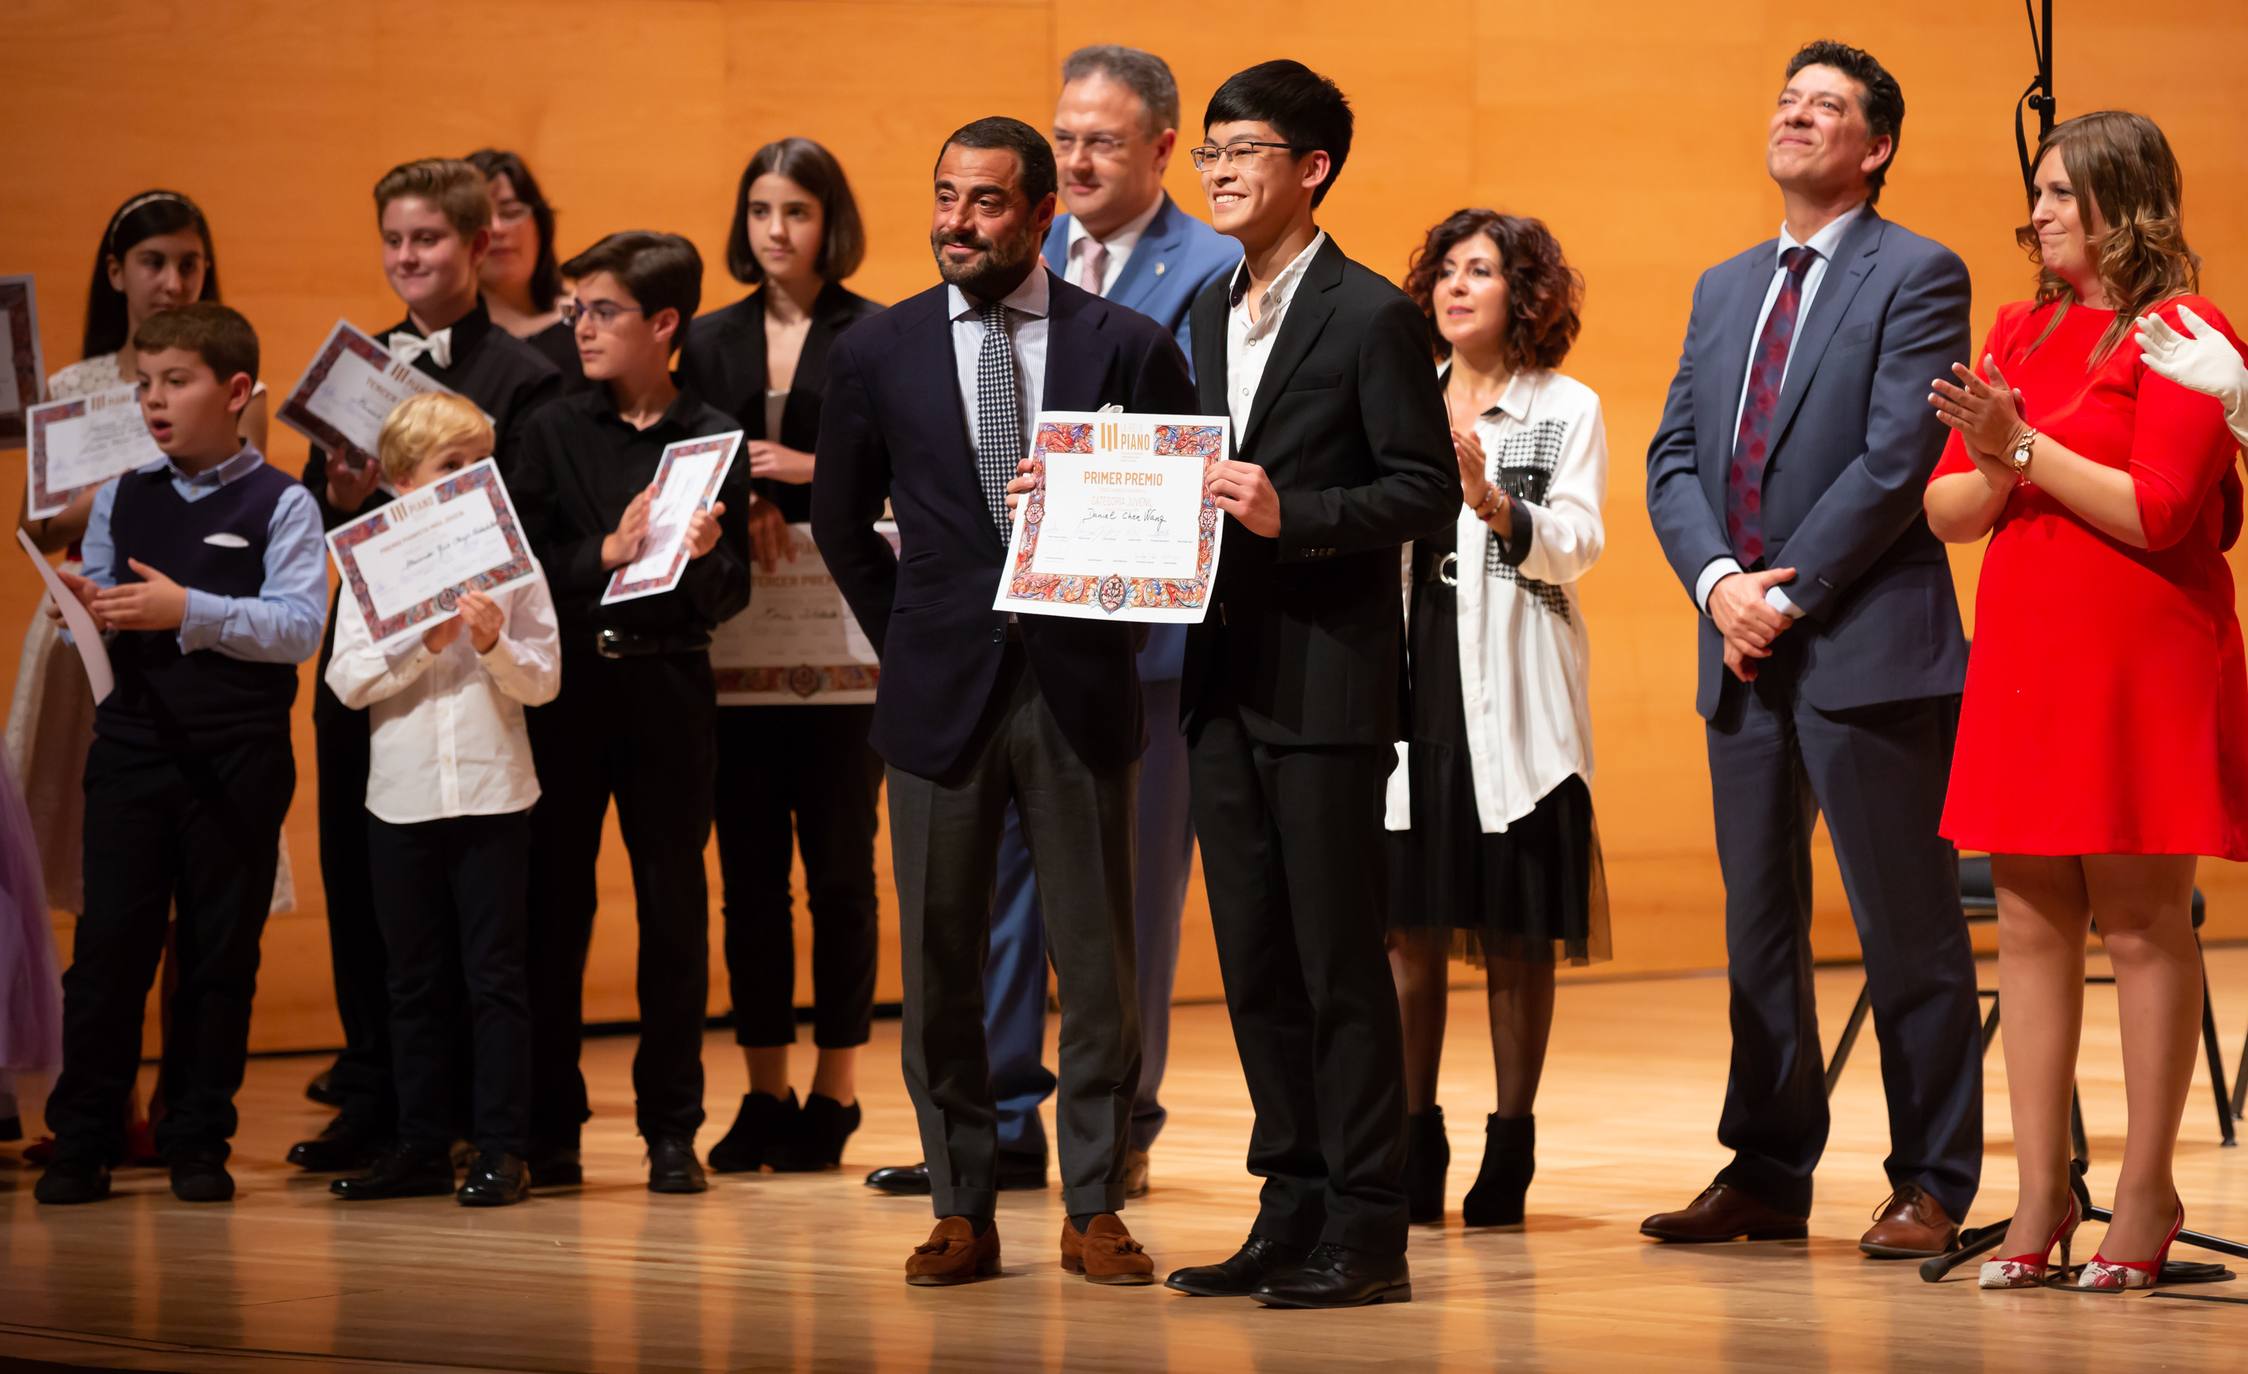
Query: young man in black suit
{"type": "Point", "coordinates": [930, 405]}
{"type": "Point", "coordinates": [1294, 687]}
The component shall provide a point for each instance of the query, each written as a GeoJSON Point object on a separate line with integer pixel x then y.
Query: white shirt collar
{"type": "Point", "coordinates": [1515, 400]}
{"type": "Point", "coordinates": [1027, 299]}
{"type": "Point", "coordinates": [1283, 285]}
{"type": "Point", "coordinates": [1826, 240]}
{"type": "Point", "coordinates": [1123, 240]}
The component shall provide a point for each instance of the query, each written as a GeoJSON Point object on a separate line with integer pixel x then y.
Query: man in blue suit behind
{"type": "Point", "coordinates": [1124, 239]}
{"type": "Point", "coordinates": [1785, 485]}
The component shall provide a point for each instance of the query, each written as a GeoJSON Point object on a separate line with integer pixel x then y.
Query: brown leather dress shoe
{"type": "Point", "coordinates": [1910, 1225]}
{"type": "Point", "coordinates": [1723, 1213]}
{"type": "Point", "coordinates": [954, 1253]}
{"type": "Point", "coordinates": [1106, 1253]}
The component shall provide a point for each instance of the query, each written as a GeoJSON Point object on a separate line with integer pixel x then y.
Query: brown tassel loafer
{"type": "Point", "coordinates": [954, 1253]}
{"type": "Point", "coordinates": [1106, 1253]}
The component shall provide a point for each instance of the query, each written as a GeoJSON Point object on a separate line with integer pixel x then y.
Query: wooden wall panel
{"type": "Point", "coordinates": [1634, 127]}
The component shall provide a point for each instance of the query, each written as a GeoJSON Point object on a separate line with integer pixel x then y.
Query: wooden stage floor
{"type": "Point", "coordinates": [803, 1273]}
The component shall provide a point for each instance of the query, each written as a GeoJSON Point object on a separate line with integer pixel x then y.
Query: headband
{"type": "Point", "coordinates": [109, 238]}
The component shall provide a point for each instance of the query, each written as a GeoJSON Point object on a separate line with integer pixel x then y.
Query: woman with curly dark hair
{"type": "Point", "coordinates": [2100, 749]}
{"type": "Point", "coordinates": [1493, 854]}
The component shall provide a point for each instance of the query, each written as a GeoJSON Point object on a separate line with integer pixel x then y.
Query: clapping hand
{"type": "Point", "coordinates": [702, 529]}
{"type": "Point", "coordinates": [1987, 414]}
{"type": "Point", "coordinates": [2202, 359]}
{"type": "Point", "coordinates": [155, 602]}
{"type": "Point", "coordinates": [350, 483]}
{"type": "Point", "coordinates": [621, 545]}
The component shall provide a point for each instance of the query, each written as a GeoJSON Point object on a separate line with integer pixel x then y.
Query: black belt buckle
{"type": "Point", "coordinates": [609, 644]}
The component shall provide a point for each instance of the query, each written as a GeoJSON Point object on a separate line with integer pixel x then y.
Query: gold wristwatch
{"type": "Point", "coordinates": [2020, 458]}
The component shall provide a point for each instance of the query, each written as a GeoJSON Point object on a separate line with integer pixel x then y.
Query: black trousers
{"type": "Point", "coordinates": [1293, 858]}
{"type": "Point", "coordinates": [944, 842]}
{"type": "Point", "coordinates": [451, 895]}
{"type": "Point", "coordinates": [356, 956]}
{"type": "Point", "coordinates": [644, 731]}
{"type": "Point", "coordinates": [1878, 775]}
{"type": "Point", "coordinates": [199, 832]}
{"type": "Point", "coordinates": [808, 765]}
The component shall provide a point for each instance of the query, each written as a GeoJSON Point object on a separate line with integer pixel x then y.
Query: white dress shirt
{"type": "Point", "coordinates": [447, 728]}
{"type": "Point", "coordinates": [1119, 245]}
{"type": "Point", "coordinates": [1249, 342]}
{"type": "Point", "coordinates": [1823, 243]}
{"type": "Point", "coordinates": [1029, 301]}
{"type": "Point", "coordinates": [1524, 657]}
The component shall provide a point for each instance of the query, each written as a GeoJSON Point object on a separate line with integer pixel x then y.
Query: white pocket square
{"type": "Point", "coordinates": [226, 541]}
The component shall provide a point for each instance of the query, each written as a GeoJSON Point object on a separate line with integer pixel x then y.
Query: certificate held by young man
{"type": "Point", "coordinates": [407, 564]}
{"type": "Point", "coordinates": [687, 480]}
{"type": "Point", "coordinates": [348, 390]}
{"type": "Point", "coordinates": [1119, 528]}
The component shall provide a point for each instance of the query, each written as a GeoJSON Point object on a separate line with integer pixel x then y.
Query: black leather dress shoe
{"type": "Point", "coordinates": [402, 1172]}
{"type": "Point", "coordinates": [556, 1168]}
{"type": "Point", "coordinates": [1259, 1260]}
{"type": "Point", "coordinates": [672, 1166]}
{"type": "Point", "coordinates": [340, 1148]}
{"type": "Point", "coordinates": [71, 1181]}
{"type": "Point", "coordinates": [201, 1180]}
{"type": "Point", "coordinates": [495, 1181]}
{"type": "Point", "coordinates": [322, 1089]}
{"type": "Point", "coordinates": [1333, 1276]}
{"type": "Point", "coordinates": [1015, 1173]}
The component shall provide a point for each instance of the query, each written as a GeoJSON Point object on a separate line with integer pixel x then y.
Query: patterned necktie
{"type": "Point", "coordinates": [999, 415]}
{"type": "Point", "coordinates": [1752, 446]}
{"type": "Point", "coordinates": [1092, 264]}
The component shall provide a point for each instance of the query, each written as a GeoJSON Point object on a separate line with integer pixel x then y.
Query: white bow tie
{"type": "Point", "coordinates": [407, 347]}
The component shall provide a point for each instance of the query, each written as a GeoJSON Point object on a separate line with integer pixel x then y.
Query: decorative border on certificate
{"type": "Point", "coordinates": [1113, 592]}
{"type": "Point", "coordinates": [483, 476]}
{"type": "Point", "coordinates": [803, 681]}
{"type": "Point", "coordinates": [19, 317]}
{"type": "Point", "coordinates": [726, 444]}
{"type": "Point", "coordinates": [299, 417]}
{"type": "Point", "coordinates": [44, 502]}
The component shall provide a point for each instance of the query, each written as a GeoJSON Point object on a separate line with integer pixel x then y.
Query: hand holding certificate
{"type": "Point", "coordinates": [687, 481]}
{"type": "Point", "coordinates": [81, 443]}
{"type": "Point", "coordinates": [1119, 527]}
{"type": "Point", "coordinates": [346, 393]}
{"type": "Point", "coordinates": [407, 565]}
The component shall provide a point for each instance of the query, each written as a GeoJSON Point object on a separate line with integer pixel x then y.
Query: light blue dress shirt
{"type": "Point", "coordinates": [282, 623]}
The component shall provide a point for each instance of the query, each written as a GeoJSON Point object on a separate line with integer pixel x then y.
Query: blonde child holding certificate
{"type": "Point", "coordinates": [449, 794]}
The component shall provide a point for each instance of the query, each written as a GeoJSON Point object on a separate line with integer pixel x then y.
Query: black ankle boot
{"type": "Point", "coordinates": [816, 1142]}
{"type": "Point", "coordinates": [760, 1132]}
{"type": "Point", "coordinates": [1509, 1159]}
{"type": "Point", "coordinates": [1427, 1155]}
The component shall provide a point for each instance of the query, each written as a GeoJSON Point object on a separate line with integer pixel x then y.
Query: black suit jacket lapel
{"type": "Point", "coordinates": [1308, 312]}
{"type": "Point", "coordinates": [1208, 334]}
{"type": "Point", "coordinates": [1074, 359]}
{"type": "Point", "coordinates": [1853, 259]}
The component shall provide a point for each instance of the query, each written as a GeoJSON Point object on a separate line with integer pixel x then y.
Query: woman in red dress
{"type": "Point", "coordinates": [2101, 744]}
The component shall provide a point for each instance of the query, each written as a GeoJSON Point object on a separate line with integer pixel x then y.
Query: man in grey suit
{"type": "Point", "coordinates": [1785, 484]}
{"type": "Point", "coordinates": [1124, 240]}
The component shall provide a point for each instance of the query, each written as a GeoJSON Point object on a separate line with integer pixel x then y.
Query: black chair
{"type": "Point", "coordinates": [1978, 901]}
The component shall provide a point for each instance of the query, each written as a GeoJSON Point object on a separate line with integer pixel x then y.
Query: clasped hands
{"type": "Point", "coordinates": [1242, 490]}
{"type": "Point", "coordinates": [623, 544]}
{"type": "Point", "coordinates": [155, 602]}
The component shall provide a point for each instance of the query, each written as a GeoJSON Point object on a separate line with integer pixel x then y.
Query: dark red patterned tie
{"type": "Point", "coordinates": [1752, 446]}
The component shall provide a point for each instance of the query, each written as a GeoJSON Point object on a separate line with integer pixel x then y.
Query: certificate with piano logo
{"type": "Point", "coordinates": [81, 443]}
{"type": "Point", "coordinates": [797, 644]}
{"type": "Point", "coordinates": [347, 391]}
{"type": "Point", "coordinates": [1120, 528]}
{"type": "Point", "coordinates": [407, 564]}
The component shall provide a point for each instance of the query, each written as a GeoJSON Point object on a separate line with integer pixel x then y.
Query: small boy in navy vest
{"type": "Point", "coordinates": [207, 574]}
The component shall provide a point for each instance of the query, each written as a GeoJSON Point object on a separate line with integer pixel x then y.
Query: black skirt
{"type": "Point", "coordinates": [1535, 892]}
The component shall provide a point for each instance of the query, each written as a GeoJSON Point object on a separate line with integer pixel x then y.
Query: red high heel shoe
{"type": "Point", "coordinates": [2032, 1271]}
{"type": "Point", "coordinates": [2116, 1276]}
